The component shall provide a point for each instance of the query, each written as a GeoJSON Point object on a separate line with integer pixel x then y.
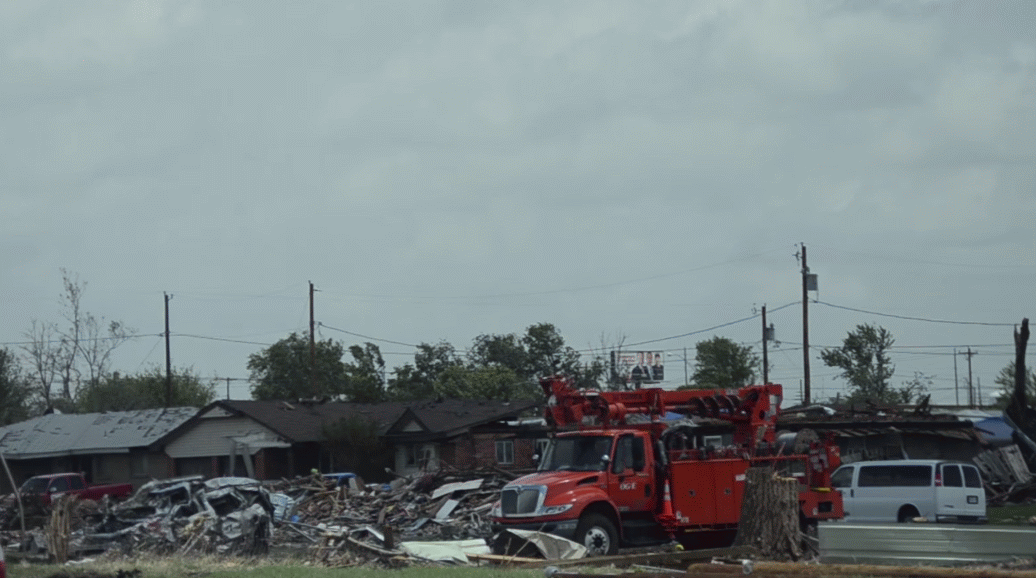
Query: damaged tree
{"type": "Point", "coordinates": [1018, 414]}
{"type": "Point", "coordinates": [770, 515]}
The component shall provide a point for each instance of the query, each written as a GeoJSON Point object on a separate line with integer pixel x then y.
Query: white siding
{"type": "Point", "coordinates": [211, 437]}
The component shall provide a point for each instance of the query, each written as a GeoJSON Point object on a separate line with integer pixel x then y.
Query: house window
{"type": "Point", "coordinates": [505, 451]}
{"type": "Point", "coordinates": [420, 456]}
{"type": "Point", "coordinates": [138, 464]}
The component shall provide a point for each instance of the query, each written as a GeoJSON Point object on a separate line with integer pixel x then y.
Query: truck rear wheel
{"type": "Point", "coordinates": [598, 534]}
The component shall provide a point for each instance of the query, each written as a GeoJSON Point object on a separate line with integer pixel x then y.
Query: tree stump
{"type": "Point", "coordinates": [59, 527]}
{"type": "Point", "coordinates": [770, 515]}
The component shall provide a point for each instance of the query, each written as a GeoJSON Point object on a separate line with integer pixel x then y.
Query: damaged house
{"type": "Point", "coordinates": [890, 435]}
{"type": "Point", "coordinates": [110, 447]}
{"type": "Point", "coordinates": [275, 439]}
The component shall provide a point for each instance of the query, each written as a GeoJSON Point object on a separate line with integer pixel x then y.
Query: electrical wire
{"type": "Point", "coordinates": [915, 318]}
{"type": "Point", "coordinates": [365, 336]}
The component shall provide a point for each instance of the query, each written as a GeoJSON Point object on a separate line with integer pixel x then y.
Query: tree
{"type": "Point", "coordinates": [865, 364]}
{"type": "Point", "coordinates": [723, 364]}
{"type": "Point", "coordinates": [490, 382]}
{"type": "Point", "coordinates": [417, 381]}
{"type": "Point", "coordinates": [282, 370]}
{"type": "Point", "coordinates": [75, 354]}
{"type": "Point", "coordinates": [1005, 379]}
{"type": "Point", "coordinates": [540, 352]}
{"type": "Point", "coordinates": [500, 351]}
{"type": "Point", "coordinates": [145, 390]}
{"type": "Point", "coordinates": [14, 390]}
{"type": "Point", "coordinates": [357, 447]}
{"type": "Point", "coordinates": [365, 377]}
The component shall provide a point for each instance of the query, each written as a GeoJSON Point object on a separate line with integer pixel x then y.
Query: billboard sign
{"type": "Point", "coordinates": [638, 366]}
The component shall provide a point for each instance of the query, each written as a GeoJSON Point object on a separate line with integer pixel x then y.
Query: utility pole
{"type": "Point", "coordinates": [956, 387]}
{"type": "Point", "coordinates": [312, 344]}
{"type": "Point", "coordinates": [686, 379]}
{"type": "Point", "coordinates": [168, 357]}
{"type": "Point", "coordinates": [805, 330]}
{"type": "Point", "coordinates": [971, 388]}
{"type": "Point", "coordinates": [228, 388]}
{"type": "Point", "coordinates": [766, 363]}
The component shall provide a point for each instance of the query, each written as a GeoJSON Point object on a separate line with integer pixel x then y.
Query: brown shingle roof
{"type": "Point", "coordinates": [304, 422]}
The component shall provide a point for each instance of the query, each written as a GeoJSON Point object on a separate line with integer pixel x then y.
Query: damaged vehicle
{"type": "Point", "coordinates": [219, 515]}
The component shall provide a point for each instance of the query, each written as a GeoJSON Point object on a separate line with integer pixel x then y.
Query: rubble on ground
{"type": "Point", "coordinates": [332, 520]}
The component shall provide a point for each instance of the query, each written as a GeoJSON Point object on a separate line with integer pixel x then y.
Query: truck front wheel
{"type": "Point", "coordinates": [598, 534]}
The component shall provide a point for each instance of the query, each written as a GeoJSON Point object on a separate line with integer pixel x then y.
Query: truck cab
{"type": "Point", "coordinates": [594, 487]}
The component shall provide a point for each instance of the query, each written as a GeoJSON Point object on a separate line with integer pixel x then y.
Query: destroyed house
{"type": "Point", "coordinates": [890, 436]}
{"type": "Point", "coordinates": [110, 447]}
{"type": "Point", "coordinates": [276, 439]}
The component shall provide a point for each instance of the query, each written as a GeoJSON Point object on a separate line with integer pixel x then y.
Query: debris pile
{"type": "Point", "coordinates": [330, 519]}
{"type": "Point", "coordinates": [185, 515]}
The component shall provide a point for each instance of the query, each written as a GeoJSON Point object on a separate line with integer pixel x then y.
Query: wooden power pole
{"type": "Point", "coordinates": [805, 330]}
{"type": "Point", "coordinates": [312, 344]}
{"type": "Point", "coordinates": [766, 363]}
{"type": "Point", "coordinates": [168, 357]}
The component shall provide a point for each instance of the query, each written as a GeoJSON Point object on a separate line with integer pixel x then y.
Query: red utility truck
{"type": "Point", "coordinates": [617, 471]}
{"type": "Point", "coordinates": [47, 487]}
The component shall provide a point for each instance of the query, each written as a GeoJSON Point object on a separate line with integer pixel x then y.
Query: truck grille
{"type": "Point", "coordinates": [519, 500]}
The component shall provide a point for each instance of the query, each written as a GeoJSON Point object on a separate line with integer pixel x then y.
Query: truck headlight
{"type": "Point", "coordinates": [496, 511]}
{"type": "Point", "coordinates": [555, 510]}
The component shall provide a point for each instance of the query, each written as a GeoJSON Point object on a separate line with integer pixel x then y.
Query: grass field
{"type": "Point", "coordinates": [1011, 514]}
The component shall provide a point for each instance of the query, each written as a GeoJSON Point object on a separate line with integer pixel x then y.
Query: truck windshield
{"type": "Point", "coordinates": [578, 453]}
{"type": "Point", "coordinates": [34, 486]}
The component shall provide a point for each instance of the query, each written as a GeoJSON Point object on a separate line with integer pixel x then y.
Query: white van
{"type": "Point", "coordinates": [901, 490]}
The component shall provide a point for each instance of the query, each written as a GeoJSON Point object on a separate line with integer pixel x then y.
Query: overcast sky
{"type": "Point", "coordinates": [626, 170]}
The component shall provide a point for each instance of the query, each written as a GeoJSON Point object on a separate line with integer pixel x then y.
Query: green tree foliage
{"type": "Point", "coordinates": [356, 447]}
{"type": "Point", "coordinates": [866, 366]}
{"type": "Point", "coordinates": [1005, 381]}
{"type": "Point", "coordinates": [145, 390]}
{"type": "Point", "coordinates": [282, 371]}
{"type": "Point", "coordinates": [365, 375]}
{"type": "Point", "coordinates": [721, 364]}
{"type": "Point", "coordinates": [540, 352]}
{"type": "Point", "coordinates": [14, 390]}
{"type": "Point", "coordinates": [489, 382]}
{"type": "Point", "coordinates": [500, 351]}
{"type": "Point", "coordinates": [417, 381]}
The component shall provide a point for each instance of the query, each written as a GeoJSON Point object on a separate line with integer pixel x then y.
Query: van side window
{"type": "Point", "coordinates": [951, 476]}
{"type": "Point", "coordinates": [971, 477]}
{"type": "Point", "coordinates": [884, 476]}
{"type": "Point", "coordinates": [843, 478]}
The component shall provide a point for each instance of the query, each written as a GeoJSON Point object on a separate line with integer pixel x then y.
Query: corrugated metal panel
{"type": "Point", "coordinates": [929, 544]}
{"type": "Point", "coordinates": [211, 437]}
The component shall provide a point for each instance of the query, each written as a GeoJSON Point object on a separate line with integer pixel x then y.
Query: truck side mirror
{"type": "Point", "coordinates": [604, 462]}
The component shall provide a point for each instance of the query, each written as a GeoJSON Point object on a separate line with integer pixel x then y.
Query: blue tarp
{"type": "Point", "coordinates": [996, 430]}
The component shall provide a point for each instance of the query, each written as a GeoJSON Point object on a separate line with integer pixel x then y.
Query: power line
{"type": "Point", "coordinates": [722, 325]}
{"type": "Point", "coordinates": [220, 339]}
{"type": "Point", "coordinates": [916, 318]}
{"type": "Point", "coordinates": [321, 324]}
{"type": "Point", "coordinates": [638, 280]}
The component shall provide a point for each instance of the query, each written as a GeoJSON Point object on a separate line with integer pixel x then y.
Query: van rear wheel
{"type": "Point", "coordinates": [907, 514]}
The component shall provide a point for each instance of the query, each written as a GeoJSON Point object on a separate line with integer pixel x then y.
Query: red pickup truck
{"type": "Point", "coordinates": [46, 488]}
